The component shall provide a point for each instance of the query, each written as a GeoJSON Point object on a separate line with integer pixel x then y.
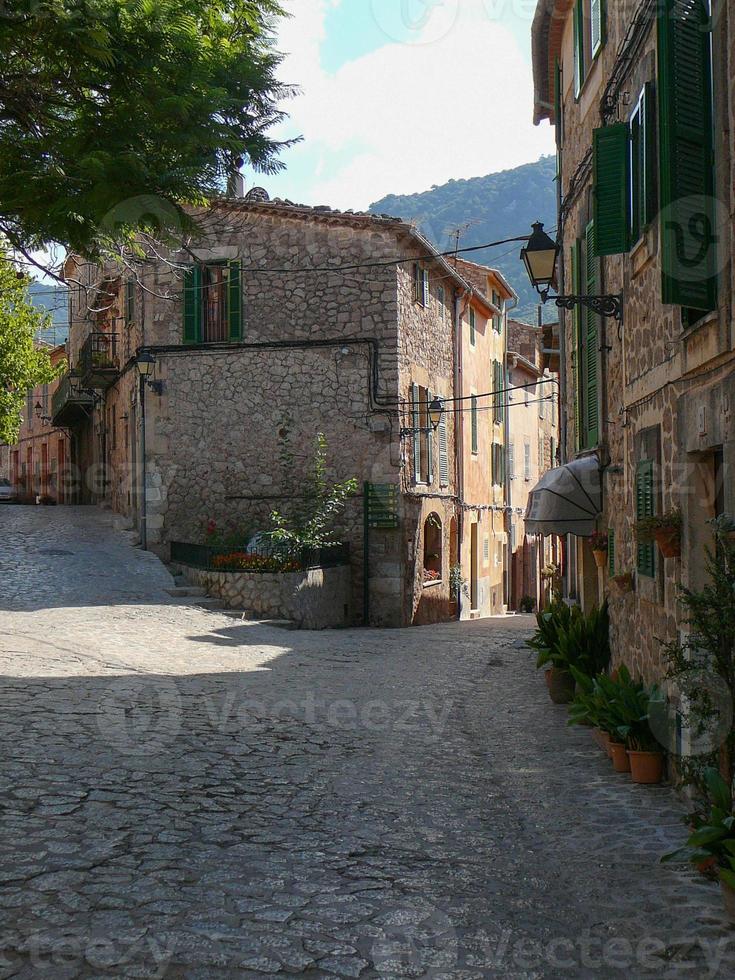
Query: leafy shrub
{"type": "Point", "coordinates": [567, 638]}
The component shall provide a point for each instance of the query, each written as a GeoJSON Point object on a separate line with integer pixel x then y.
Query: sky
{"type": "Point", "coordinates": [400, 95]}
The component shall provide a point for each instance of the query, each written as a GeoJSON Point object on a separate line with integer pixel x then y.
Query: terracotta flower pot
{"type": "Point", "coordinates": [707, 867]}
{"type": "Point", "coordinates": [622, 584]}
{"type": "Point", "coordinates": [598, 736]}
{"type": "Point", "coordinates": [728, 898]}
{"type": "Point", "coordinates": [619, 756]}
{"type": "Point", "coordinates": [600, 558]}
{"type": "Point", "coordinates": [561, 686]}
{"type": "Point", "coordinates": [646, 767]}
{"type": "Point", "coordinates": [547, 677]}
{"type": "Point", "coordinates": [668, 540]}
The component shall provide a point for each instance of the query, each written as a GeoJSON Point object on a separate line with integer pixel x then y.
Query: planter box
{"type": "Point", "coordinates": [314, 599]}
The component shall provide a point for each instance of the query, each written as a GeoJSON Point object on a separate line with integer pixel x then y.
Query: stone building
{"type": "Point", "coordinates": [279, 322]}
{"type": "Point", "coordinates": [38, 464]}
{"type": "Point", "coordinates": [533, 449]}
{"type": "Point", "coordinates": [640, 95]}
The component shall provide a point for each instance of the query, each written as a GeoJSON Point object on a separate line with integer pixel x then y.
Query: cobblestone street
{"type": "Point", "coordinates": [187, 795]}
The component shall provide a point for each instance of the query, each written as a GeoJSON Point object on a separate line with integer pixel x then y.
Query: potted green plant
{"type": "Point", "coordinates": [599, 544]}
{"type": "Point", "coordinates": [665, 530]}
{"type": "Point", "coordinates": [634, 701]}
{"type": "Point", "coordinates": [566, 638]}
{"type": "Point", "coordinates": [713, 838]}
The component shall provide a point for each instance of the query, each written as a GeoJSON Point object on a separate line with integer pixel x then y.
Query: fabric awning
{"type": "Point", "coordinates": [567, 500]}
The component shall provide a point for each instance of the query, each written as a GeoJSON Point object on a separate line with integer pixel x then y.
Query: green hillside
{"type": "Point", "coordinates": [501, 205]}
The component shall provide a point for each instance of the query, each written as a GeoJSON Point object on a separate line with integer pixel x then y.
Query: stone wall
{"type": "Point", "coordinates": [316, 599]}
{"type": "Point", "coordinates": [654, 371]}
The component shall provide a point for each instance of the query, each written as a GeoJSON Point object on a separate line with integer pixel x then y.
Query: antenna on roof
{"type": "Point", "coordinates": [456, 234]}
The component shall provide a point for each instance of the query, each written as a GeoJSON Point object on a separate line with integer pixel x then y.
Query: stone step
{"type": "Point", "coordinates": [186, 591]}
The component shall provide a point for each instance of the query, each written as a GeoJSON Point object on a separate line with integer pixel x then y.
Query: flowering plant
{"type": "Point", "coordinates": [240, 561]}
{"type": "Point", "coordinates": [430, 575]}
{"type": "Point", "coordinates": [599, 541]}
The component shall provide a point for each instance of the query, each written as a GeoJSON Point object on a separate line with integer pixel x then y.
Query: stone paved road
{"type": "Point", "coordinates": [185, 795]}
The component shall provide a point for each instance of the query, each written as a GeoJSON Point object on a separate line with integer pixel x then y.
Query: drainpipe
{"type": "Point", "coordinates": [459, 298]}
{"type": "Point", "coordinates": [509, 305]}
{"type": "Point", "coordinates": [143, 508]}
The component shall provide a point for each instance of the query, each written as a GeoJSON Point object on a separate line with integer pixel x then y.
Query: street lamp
{"type": "Point", "coordinates": [540, 256]}
{"type": "Point", "coordinates": [146, 364]}
{"type": "Point", "coordinates": [43, 419]}
{"type": "Point", "coordinates": [436, 411]}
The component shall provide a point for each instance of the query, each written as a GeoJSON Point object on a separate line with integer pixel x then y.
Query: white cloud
{"type": "Point", "coordinates": [408, 115]}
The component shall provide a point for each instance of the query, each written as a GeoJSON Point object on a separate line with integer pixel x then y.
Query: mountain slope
{"type": "Point", "coordinates": [485, 209]}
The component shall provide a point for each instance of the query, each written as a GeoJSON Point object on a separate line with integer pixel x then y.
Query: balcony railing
{"type": "Point", "coordinates": [99, 363]}
{"type": "Point", "coordinates": [71, 402]}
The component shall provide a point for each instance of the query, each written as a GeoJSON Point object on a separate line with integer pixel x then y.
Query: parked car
{"type": "Point", "coordinates": [8, 493]}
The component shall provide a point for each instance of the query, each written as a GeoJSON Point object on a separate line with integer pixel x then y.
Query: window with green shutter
{"type": "Point", "coordinates": [590, 400]}
{"type": "Point", "coordinates": [558, 116]}
{"type": "Point", "coordinates": [576, 267]}
{"type": "Point", "coordinates": [611, 551]}
{"type": "Point", "coordinates": [473, 327]}
{"type": "Point", "coordinates": [234, 300]}
{"type": "Point", "coordinates": [645, 507]}
{"type": "Point", "coordinates": [686, 156]}
{"type": "Point", "coordinates": [579, 52]}
{"type": "Point", "coordinates": [475, 427]}
{"type": "Point", "coordinates": [193, 305]}
{"type": "Point", "coordinates": [500, 394]}
{"type": "Point", "coordinates": [598, 26]}
{"type": "Point", "coordinates": [611, 154]}
{"type": "Point", "coordinates": [643, 190]}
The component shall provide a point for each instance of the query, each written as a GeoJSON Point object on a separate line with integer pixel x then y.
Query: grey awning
{"type": "Point", "coordinates": [567, 500]}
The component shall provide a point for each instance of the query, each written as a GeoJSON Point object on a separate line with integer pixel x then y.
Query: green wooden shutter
{"type": "Point", "coordinates": [645, 507]}
{"type": "Point", "coordinates": [686, 154]}
{"type": "Point", "coordinates": [576, 265]}
{"type": "Point", "coordinates": [193, 305]}
{"type": "Point", "coordinates": [415, 426]}
{"type": "Point", "coordinates": [234, 299]}
{"type": "Point", "coordinates": [558, 112]}
{"type": "Point", "coordinates": [611, 551]}
{"type": "Point", "coordinates": [591, 411]}
{"type": "Point", "coordinates": [475, 440]}
{"type": "Point", "coordinates": [472, 325]}
{"type": "Point", "coordinates": [611, 155]}
{"type": "Point", "coordinates": [578, 47]}
{"type": "Point", "coordinates": [443, 452]}
{"type": "Point", "coordinates": [650, 190]}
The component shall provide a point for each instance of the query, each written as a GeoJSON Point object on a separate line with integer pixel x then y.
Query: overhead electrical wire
{"type": "Point", "coordinates": [385, 263]}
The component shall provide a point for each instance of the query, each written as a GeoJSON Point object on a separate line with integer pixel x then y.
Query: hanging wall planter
{"type": "Point", "coordinates": [665, 530]}
{"type": "Point", "coordinates": [622, 584]}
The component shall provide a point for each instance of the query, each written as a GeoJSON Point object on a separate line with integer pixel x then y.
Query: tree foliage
{"type": "Point", "coordinates": [113, 113]}
{"type": "Point", "coordinates": [23, 364]}
{"type": "Point", "coordinates": [317, 501]}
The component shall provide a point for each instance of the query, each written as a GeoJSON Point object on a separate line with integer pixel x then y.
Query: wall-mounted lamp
{"type": "Point", "coordinates": [540, 257]}
{"type": "Point", "coordinates": [436, 413]}
{"type": "Point", "coordinates": [43, 419]}
{"type": "Point", "coordinates": [146, 364]}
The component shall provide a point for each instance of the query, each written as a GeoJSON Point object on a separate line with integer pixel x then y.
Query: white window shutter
{"type": "Point", "coordinates": [415, 425]}
{"type": "Point", "coordinates": [443, 452]}
{"type": "Point", "coordinates": [596, 25]}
